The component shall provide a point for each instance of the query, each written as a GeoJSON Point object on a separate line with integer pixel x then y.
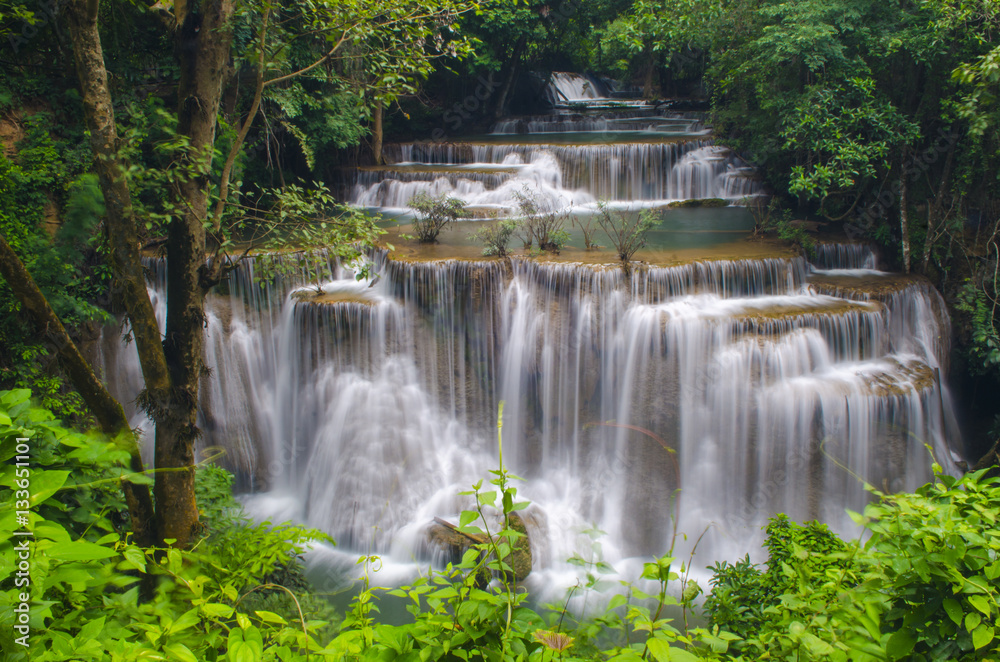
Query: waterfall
{"type": "Point", "coordinates": [559, 175]}
{"type": "Point", "coordinates": [693, 395]}
{"type": "Point", "coordinates": [364, 410]}
{"type": "Point", "coordinates": [568, 87]}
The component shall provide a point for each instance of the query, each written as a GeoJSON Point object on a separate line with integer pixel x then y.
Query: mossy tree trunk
{"type": "Point", "coordinates": [106, 410]}
{"type": "Point", "coordinates": [172, 366]}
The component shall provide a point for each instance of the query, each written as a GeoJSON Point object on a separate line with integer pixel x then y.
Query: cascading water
{"type": "Point", "coordinates": [560, 176]}
{"type": "Point", "coordinates": [766, 385]}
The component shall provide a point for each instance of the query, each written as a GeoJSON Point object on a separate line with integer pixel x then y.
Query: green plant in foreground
{"type": "Point", "coordinates": [88, 597]}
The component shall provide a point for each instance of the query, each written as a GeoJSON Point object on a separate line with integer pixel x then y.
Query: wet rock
{"type": "Point", "coordinates": [454, 543]}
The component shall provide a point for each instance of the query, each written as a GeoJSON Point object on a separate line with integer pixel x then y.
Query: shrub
{"type": "Point", "coordinates": [544, 228]}
{"type": "Point", "coordinates": [433, 214]}
{"type": "Point", "coordinates": [586, 225]}
{"type": "Point", "coordinates": [627, 233]}
{"type": "Point", "coordinates": [496, 237]}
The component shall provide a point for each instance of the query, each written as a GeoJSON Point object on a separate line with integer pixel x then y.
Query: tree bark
{"type": "Point", "coordinates": [904, 225]}
{"type": "Point", "coordinates": [377, 132]}
{"type": "Point", "coordinates": [106, 410]}
{"type": "Point", "coordinates": [202, 48]}
{"type": "Point", "coordinates": [509, 75]}
{"type": "Point", "coordinates": [172, 367]}
{"type": "Point", "coordinates": [119, 221]}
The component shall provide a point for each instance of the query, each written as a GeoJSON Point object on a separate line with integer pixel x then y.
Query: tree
{"type": "Point", "coordinates": [201, 205]}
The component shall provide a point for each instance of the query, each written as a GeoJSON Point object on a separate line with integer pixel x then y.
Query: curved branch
{"type": "Point", "coordinates": [227, 169]}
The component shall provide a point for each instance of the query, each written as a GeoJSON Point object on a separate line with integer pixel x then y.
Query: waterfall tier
{"type": "Point", "coordinates": [559, 176]}
{"type": "Point", "coordinates": [369, 406]}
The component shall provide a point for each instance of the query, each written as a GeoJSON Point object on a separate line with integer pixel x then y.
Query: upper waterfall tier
{"type": "Point", "coordinates": [568, 90]}
{"type": "Point", "coordinates": [649, 121]}
{"type": "Point", "coordinates": [560, 176]}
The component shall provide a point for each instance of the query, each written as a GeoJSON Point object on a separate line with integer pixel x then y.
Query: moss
{"type": "Point", "coordinates": [703, 202]}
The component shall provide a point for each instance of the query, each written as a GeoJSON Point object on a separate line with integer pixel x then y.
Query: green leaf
{"type": "Point", "coordinates": [954, 610]}
{"type": "Point", "coordinates": [982, 636]}
{"type": "Point", "coordinates": [900, 644]}
{"type": "Point", "coordinates": [180, 652]}
{"type": "Point", "coordinates": [46, 483]}
{"type": "Point", "coordinates": [663, 652]}
{"type": "Point", "coordinates": [980, 603]}
{"type": "Point", "coordinates": [79, 550]}
{"type": "Point", "coordinates": [216, 610]}
{"type": "Point", "coordinates": [270, 617]}
{"type": "Point", "coordinates": [135, 556]}
{"type": "Point", "coordinates": [186, 620]}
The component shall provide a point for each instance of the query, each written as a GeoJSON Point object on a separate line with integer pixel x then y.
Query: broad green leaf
{"type": "Point", "coordinates": [79, 550]}
{"type": "Point", "coordinates": [900, 644]}
{"type": "Point", "coordinates": [180, 652]}
{"type": "Point", "coordinates": [46, 483]}
{"type": "Point", "coordinates": [982, 636]}
{"type": "Point", "coordinates": [270, 617]}
{"type": "Point", "coordinates": [954, 610]}
{"type": "Point", "coordinates": [184, 621]}
{"type": "Point", "coordinates": [135, 556]}
{"type": "Point", "coordinates": [981, 603]}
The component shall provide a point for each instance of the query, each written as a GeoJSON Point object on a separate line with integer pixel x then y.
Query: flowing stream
{"type": "Point", "coordinates": [764, 385]}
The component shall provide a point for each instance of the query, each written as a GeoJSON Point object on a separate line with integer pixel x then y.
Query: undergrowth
{"type": "Point", "coordinates": [924, 584]}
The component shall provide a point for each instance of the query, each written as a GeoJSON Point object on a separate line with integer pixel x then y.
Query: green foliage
{"type": "Point", "coordinates": [48, 214]}
{"type": "Point", "coordinates": [925, 585]}
{"type": "Point", "coordinates": [547, 229]}
{"type": "Point", "coordinates": [934, 556]}
{"type": "Point", "coordinates": [770, 218]}
{"type": "Point", "coordinates": [85, 588]}
{"type": "Point", "coordinates": [433, 215]}
{"type": "Point", "coordinates": [984, 341]}
{"type": "Point", "coordinates": [626, 232]}
{"type": "Point", "coordinates": [496, 237]}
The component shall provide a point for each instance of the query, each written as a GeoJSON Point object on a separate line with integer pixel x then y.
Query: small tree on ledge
{"type": "Point", "coordinates": [433, 214]}
{"type": "Point", "coordinates": [626, 233]}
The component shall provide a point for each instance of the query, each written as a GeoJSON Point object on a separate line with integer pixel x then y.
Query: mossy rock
{"type": "Point", "coordinates": [702, 202]}
{"type": "Point", "coordinates": [444, 536]}
{"type": "Point", "coordinates": [520, 561]}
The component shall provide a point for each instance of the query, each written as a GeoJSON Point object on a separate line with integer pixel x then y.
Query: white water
{"type": "Point", "coordinates": [559, 176]}
{"type": "Point", "coordinates": [366, 418]}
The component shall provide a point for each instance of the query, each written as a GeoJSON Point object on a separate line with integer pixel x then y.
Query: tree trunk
{"type": "Point", "coordinates": [934, 209]}
{"type": "Point", "coordinates": [509, 74]}
{"type": "Point", "coordinates": [202, 48]}
{"type": "Point", "coordinates": [119, 221]}
{"type": "Point", "coordinates": [377, 116]}
{"type": "Point", "coordinates": [904, 226]}
{"type": "Point", "coordinates": [108, 411]}
{"type": "Point", "coordinates": [171, 368]}
{"type": "Point", "coordinates": [647, 87]}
